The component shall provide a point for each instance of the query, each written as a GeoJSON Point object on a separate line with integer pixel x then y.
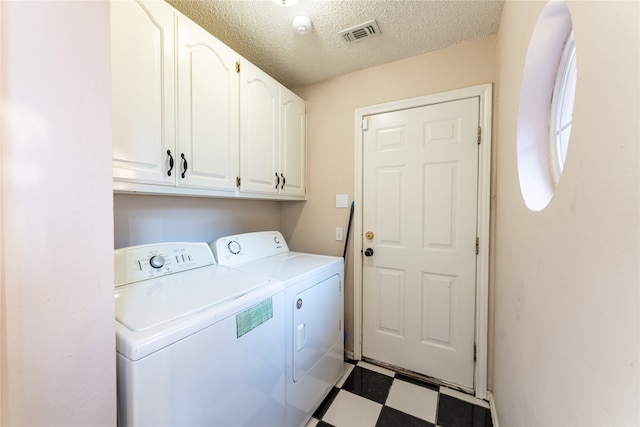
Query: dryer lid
{"type": "Point", "coordinates": [291, 266]}
{"type": "Point", "coordinates": [151, 303]}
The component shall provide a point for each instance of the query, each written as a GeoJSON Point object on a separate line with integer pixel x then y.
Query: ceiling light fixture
{"type": "Point", "coordinates": [285, 2]}
{"type": "Point", "coordinates": [302, 25]}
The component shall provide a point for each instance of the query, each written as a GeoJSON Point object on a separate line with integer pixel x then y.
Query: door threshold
{"type": "Point", "coordinates": [417, 376]}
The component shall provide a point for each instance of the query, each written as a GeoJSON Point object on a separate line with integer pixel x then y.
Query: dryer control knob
{"type": "Point", "coordinates": [234, 247]}
{"type": "Point", "coordinates": [157, 261]}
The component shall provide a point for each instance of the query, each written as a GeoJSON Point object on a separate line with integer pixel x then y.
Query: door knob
{"type": "Point", "coordinates": [368, 252]}
{"type": "Point", "coordinates": [369, 235]}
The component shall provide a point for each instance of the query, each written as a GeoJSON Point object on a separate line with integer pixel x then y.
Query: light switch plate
{"type": "Point", "coordinates": [342, 200]}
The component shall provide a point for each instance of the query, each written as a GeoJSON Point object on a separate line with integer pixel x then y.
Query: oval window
{"type": "Point", "coordinates": [545, 112]}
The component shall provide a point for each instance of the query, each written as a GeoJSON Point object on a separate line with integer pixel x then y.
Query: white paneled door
{"type": "Point", "coordinates": [420, 190]}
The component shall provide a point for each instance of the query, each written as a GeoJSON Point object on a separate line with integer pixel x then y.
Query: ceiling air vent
{"type": "Point", "coordinates": [359, 32]}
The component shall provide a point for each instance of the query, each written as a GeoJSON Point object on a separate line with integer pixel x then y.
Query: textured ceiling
{"type": "Point", "coordinates": [261, 31]}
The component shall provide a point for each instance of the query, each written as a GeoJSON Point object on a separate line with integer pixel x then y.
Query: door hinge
{"type": "Point", "coordinates": [477, 245]}
{"type": "Point", "coordinates": [237, 66]}
{"type": "Point", "coordinates": [475, 353]}
{"type": "Point", "coordinates": [237, 181]}
{"type": "Point", "coordinates": [479, 134]}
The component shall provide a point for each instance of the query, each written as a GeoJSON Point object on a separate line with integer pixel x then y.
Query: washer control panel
{"type": "Point", "coordinates": [232, 250]}
{"type": "Point", "coordinates": [136, 263]}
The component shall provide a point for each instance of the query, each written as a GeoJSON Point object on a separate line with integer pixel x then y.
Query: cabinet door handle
{"type": "Point", "coordinates": [283, 182]}
{"type": "Point", "coordinates": [184, 164]}
{"type": "Point", "coordinates": [277, 180]}
{"type": "Point", "coordinates": [170, 162]}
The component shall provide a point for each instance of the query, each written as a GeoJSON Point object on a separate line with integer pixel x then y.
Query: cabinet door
{"type": "Point", "coordinates": [142, 47]}
{"type": "Point", "coordinates": [259, 133]}
{"type": "Point", "coordinates": [207, 109]}
{"type": "Point", "coordinates": [293, 143]}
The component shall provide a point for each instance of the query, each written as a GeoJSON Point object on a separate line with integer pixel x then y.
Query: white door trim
{"type": "Point", "coordinates": [484, 198]}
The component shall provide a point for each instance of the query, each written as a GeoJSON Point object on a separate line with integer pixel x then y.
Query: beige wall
{"type": "Point", "coordinates": [150, 219]}
{"type": "Point", "coordinates": [56, 318]}
{"type": "Point", "coordinates": [566, 278]}
{"type": "Point", "coordinates": [331, 106]}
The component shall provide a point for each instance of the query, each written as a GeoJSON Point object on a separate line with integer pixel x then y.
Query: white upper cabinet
{"type": "Point", "coordinates": [207, 109]}
{"type": "Point", "coordinates": [143, 84]}
{"type": "Point", "coordinates": [272, 136]}
{"type": "Point", "coordinates": [293, 154]}
{"type": "Point", "coordinates": [187, 122]}
{"type": "Point", "coordinates": [259, 136]}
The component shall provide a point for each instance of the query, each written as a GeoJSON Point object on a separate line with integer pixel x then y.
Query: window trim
{"type": "Point", "coordinates": [556, 152]}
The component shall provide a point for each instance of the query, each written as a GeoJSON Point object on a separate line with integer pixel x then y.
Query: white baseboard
{"type": "Point", "coordinates": [349, 355]}
{"type": "Point", "coordinates": [494, 411]}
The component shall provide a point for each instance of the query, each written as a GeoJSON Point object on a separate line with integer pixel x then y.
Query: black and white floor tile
{"type": "Point", "coordinates": [370, 396]}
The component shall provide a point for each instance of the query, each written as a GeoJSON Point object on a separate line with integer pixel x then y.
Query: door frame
{"type": "Point", "coordinates": [484, 92]}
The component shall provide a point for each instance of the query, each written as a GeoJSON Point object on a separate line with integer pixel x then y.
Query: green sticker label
{"type": "Point", "coordinates": [253, 317]}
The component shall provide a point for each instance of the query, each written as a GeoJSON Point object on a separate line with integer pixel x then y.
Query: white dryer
{"type": "Point", "coordinates": [314, 306]}
{"type": "Point", "coordinates": [197, 343]}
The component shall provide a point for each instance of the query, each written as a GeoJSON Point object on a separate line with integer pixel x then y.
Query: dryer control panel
{"type": "Point", "coordinates": [143, 262]}
{"type": "Point", "coordinates": [232, 250]}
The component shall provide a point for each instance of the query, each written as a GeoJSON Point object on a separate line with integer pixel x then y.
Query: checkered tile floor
{"type": "Point", "coordinates": [370, 396]}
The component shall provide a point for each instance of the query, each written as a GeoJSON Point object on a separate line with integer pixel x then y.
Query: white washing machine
{"type": "Point", "coordinates": [197, 344]}
{"type": "Point", "coordinates": [314, 305]}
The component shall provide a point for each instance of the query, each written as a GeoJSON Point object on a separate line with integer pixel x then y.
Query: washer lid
{"type": "Point", "coordinates": [151, 303]}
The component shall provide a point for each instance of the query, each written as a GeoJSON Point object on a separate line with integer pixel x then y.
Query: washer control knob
{"type": "Point", "coordinates": [234, 247]}
{"type": "Point", "coordinates": [157, 261]}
